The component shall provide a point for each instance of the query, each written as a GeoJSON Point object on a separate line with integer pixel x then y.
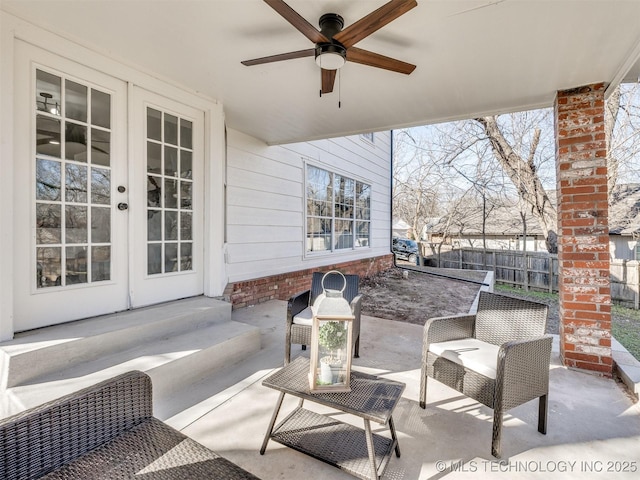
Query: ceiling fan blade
{"type": "Point", "coordinates": [294, 18]}
{"type": "Point", "coordinates": [310, 52]}
{"type": "Point", "coordinates": [374, 21]}
{"type": "Point", "coordinates": [328, 79]}
{"type": "Point", "coordinates": [365, 57]}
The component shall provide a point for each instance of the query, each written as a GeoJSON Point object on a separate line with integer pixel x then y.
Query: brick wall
{"type": "Point", "coordinates": [583, 246]}
{"type": "Point", "coordinates": [282, 286]}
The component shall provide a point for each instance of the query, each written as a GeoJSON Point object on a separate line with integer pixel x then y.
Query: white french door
{"type": "Point", "coordinates": [108, 193]}
{"type": "Point", "coordinates": [167, 221]}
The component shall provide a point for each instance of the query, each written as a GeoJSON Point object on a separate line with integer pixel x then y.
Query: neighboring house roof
{"type": "Point", "coordinates": [505, 219]}
{"type": "Point", "coordinates": [502, 220]}
{"type": "Point", "coordinates": [399, 224]}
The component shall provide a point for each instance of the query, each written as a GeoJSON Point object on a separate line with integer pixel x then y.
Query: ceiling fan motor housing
{"type": "Point", "coordinates": [331, 55]}
{"type": "Point", "coordinates": [330, 24]}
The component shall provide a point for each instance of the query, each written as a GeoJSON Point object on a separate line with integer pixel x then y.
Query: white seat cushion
{"type": "Point", "coordinates": [473, 354]}
{"type": "Point", "coordinates": [305, 317]}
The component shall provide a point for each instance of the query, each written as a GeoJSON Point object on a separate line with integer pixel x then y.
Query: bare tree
{"type": "Point", "coordinates": [610, 119]}
{"type": "Point", "coordinates": [453, 220]}
{"type": "Point", "coordinates": [521, 167]}
{"type": "Point", "coordinates": [622, 128]}
{"type": "Point", "coordinates": [516, 150]}
{"type": "Point", "coordinates": [417, 181]}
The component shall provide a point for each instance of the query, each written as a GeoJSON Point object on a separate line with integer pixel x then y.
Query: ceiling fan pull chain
{"type": "Point", "coordinates": [339, 88]}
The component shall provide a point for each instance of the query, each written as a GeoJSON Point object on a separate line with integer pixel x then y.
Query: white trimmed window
{"type": "Point", "coordinates": [369, 137]}
{"type": "Point", "coordinates": [338, 213]}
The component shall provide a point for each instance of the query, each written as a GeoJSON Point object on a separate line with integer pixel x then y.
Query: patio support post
{"type": "Point", "coordinates": [583, 240]}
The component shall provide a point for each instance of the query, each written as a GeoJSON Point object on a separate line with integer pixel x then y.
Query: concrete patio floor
{"type": "Point", "coordinates": [593, 424]}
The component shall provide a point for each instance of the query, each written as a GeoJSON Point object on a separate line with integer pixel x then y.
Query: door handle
{"type": "Point", "coordinates": [122, 206]}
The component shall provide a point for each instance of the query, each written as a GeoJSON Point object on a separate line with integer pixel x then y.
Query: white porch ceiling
{"type": "Point", "coordinates": [473, 57]}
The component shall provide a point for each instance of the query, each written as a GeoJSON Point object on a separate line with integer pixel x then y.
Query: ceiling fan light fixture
{"type": "Point", "coordinates": [330, 56]}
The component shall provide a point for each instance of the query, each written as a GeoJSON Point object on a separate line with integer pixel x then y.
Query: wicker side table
{"type": "Point", "coordinates": [354, 450]}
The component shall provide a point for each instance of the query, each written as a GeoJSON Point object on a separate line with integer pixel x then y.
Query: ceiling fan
{"type": "Point", "coordinates": [335, 46]}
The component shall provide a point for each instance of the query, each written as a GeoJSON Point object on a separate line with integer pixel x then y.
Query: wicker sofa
{"type": "Point", "coordinates": [106, 431]}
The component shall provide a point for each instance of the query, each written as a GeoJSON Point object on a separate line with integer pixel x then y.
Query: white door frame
{"type": "Point", "coordinates": [38, 307]}
{"type": "Point", "coordinates": [12, 29]}
{"type": "Point", "coordinates": [145, 288]}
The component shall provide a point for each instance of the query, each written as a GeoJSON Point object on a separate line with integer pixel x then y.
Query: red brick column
{"type": "Point", "coordinates": [583, 240]}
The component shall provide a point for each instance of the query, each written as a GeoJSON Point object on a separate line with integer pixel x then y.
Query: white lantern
{"type": "Point", "coordinates": [331, 338]}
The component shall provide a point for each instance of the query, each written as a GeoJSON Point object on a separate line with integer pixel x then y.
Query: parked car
{"type": "Point", "coordinates": [405, 249]}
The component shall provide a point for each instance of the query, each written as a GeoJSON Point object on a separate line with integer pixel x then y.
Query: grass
{"type": "Point", "coordinates": [625, 327]}
{"type": "Point", "coordinates": [529, 293]}
{"type": "Point", "coordinates": [625, 322]}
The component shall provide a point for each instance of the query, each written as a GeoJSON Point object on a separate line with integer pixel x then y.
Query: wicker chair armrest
{"type": "Point", "coordinates": [296, 304]}
{"type": "Point", "coordinates": [42, 439]}
{"type": "Point", "coordinates": [523, 367]}
{"type": "Point", "coordinates": [443, 329]}
{"type": "Point", "coordinates": [356, 309]}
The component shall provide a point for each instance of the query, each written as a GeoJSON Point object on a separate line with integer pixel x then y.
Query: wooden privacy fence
{"type": "Point", "coordinates": [537, 270]}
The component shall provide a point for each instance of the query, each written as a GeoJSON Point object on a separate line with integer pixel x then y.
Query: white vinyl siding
{"type": "Point", "coordinates": [266, 201]}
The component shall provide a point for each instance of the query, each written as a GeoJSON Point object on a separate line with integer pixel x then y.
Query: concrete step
{"type": "Point", "coordinates": [627, 367]}
{"type": "Point", "coordinates": [38, 353]}
{"type": "Point", "coordinates": [177, 344]}
{"type": "Point", "coordinates": [172, 363]}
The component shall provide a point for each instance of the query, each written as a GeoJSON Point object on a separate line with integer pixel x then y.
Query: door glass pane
{"type": "Point", "coordinates": [75, 101]}
{"type": "Point", "coordinates": [154, 124]}
{"type": "Point", "coordinates": [186, 232]}
{"type": "Point", "coordinates": [171, 257]}
{"type": "Point", "coordinates": [76, 265]}
{"type": "Point", "coordinates": [48, 136]}
{"type": "Point", "coordinates": [185, 256]}
{"type": "Point", "coordinates": [171, 161]}
{"type": "Point", "coordinates": [154, 258]}
{"type": "Point", "coordinates": [76, 183]}
{"type": "Point", "coordinates": [68, 225]}
{"type": "Point", "coordinates": [100, 264]}
{"type": "Point", "coordinates": [169, 200]}
{"type": "Point", "coordinates": [101, 186]}
{"type": "Point", "coordinates": [48, 178]}
{"type": "Point", "coordinates": [185, 194]}
{"type": "Point", "coordinates": [154, 157]}
{"type": "Point", "coordinates": [75, 224]}
{"type": "Point", "coordinates": [154, 225]}
{"type": "Point", "coordinates": [170, 129]}
{"type": "Point", "coordinates": [100, 225]}
{"type": "Point", "coordinates": [171, 225]}
{"type": "Point", "coordinates": [185, 164]}
{"type": "Point", "coordinates": [75, 142]}
{"type": "Point", "coordinates": [48, 267]}
{"type": "Point", "coordinates": [100, 108]}
{"type": "Point", "coordinates": [48, 88]}
{"type": "Point", "coordinates": [48, 223]}
{"type": "Point", "coordinates": [100, 147]}
{"type": "Point", "coordinates": [154, 191]}
{"type": "Point", "coordinates": [186, 134]}
{"type": "Point", "coordinates": [170, 193]}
